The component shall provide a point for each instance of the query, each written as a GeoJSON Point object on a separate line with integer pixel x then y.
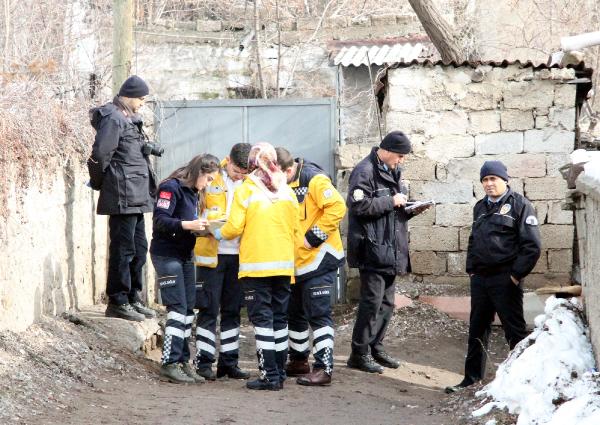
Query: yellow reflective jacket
{"type": "Point", "coordinates": [267, 226]}
{"type": "Point", "coordinates": [322, 209]}
{"type": "Point", "coordinates": [205, 250]}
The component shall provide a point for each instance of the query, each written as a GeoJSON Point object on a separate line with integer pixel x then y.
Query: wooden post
{"type": "Point", "coordinates": [122, 42]}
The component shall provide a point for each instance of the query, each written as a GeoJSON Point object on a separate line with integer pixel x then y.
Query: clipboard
{"type": "Point", "coordinates": [414, 205]}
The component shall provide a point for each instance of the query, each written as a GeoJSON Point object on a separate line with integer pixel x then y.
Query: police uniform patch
{"type": "Point", "coordinates": [505, 209]}
{"type": "Point", "coordinates": [531, 220]}
{"type": "Point", "coordinates": [327, 193]}
{"type": "Point", "coordinates": [358, 195]}
{"type": "Point", "coordinates": [165, 195]}
{"type": "Point", "coordinates": [163, 203]}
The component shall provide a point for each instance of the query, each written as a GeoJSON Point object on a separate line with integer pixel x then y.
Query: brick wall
{"type": "Point", "coordinates": [459, 117]}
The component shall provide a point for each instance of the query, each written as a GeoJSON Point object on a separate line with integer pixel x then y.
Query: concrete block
{"type": "Point", "coordinates": [444, 148]}
{"type": "Point", "coordinates": [447, 122]}
{"type": "Point", "coordinates": [556, 215]}
{"type": "Point", "coordinates": [564, 95]}
{"type": "Point", "coordinates": [383, 20]}
{"type": "Point", "coordinates": [484, 122]}
{"type": "Point", "coordinates": [463, 237]}
{"type": "Point", "coordinates": [409, 123]}
{"type": "Point", "coordinates": [481, 97]}
{"type": "Point", "coordinates": [499, 143]}
{"type": "Point", "coordinates": [338, 22]}
{"type": "Point", "coordinates": [347, 156]}
{"type": "Point", "coordinates": [437, 101]}
{"type": "Point", "coordinates": [541, 121]}
{"type": "Point", "coordinates": [515, 120]}
{"type": "Point", "coordinates": [554, 161]}
{"type": "Point", "coordinates": [426, 218]}
{"type": "Point", "coordinates": [539, 280]}
{"type": "Point", "coordinates": [453, 214]}
{"type": "Point", "coordinates": [458, 191]}
{"type": "Point", "coordinates": [542, 74]}
{"type": "Point", "coordinates": [549, 140]}
{"type": "Point", "coordinates": [457, 263]}
{"type": "Point", "coordinates": [428, 262]}
{"type": "Point", "coordinates": [447, 280]}
{"type": "Point", "coordinates": [206, 25]}
{"type": "Point", "coordinates": [528, 95]}
{"type": "Point", "coordinates": [533, 165]}
{"type": "Point", "coordinates": [560, 260]}
{"type": "Point", "coordinates": [541, 210]}
{"type": "Point", "coordinates": [542, 265]}
{"type": "Point", "coordinates": [563, 74]}
{"type": "Point", "coordinates": [434, 238]}
{"type": "Point", "coordinates": [562, 118]}
{"type": "Point", "coordinates": [418, 168]}
{"type": "Point", "coordinates": [515, 184]}
{"type": "Point", "coordinates": [556, 236]}
{"type": "Point", "coordinates": [306, 24]}
{"type": "Point", "coordinates": [510, 73]}
{"type": "Point", "coordinates": [456, 307]}
{"type": "Point", "coordinates": [550, 188]}
{"type": "Point", "coordinates": [401, 101]}
{"type": "Point", "coordinates": [401, 301]}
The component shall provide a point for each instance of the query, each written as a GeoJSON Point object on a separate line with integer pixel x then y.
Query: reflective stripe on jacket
{"type": "Point", "coordinates": [205, 251]}
{"type": "Point", "coordinates": [267, 228]}
{"type": "Point", "coordinates": [322, 209]}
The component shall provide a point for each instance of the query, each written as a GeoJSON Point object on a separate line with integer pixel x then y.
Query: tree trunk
{"type": "Point", "coordinates": [261, 83]}
{"type": "Point", "coordinates": [440, 33]}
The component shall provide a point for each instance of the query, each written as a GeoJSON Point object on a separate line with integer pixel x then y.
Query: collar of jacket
{"type": "Point", "coordinates": [389, 176]}
{"type": "Point", "coordinates": [493, 206]}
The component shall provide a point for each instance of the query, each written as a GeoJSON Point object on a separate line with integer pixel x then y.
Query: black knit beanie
{"type": "Point", "coordinates": [134, 87]}
{"type": "Point", "coordinates": [493, 168]}
{"type": "Point", "coordinates": [397, 142]}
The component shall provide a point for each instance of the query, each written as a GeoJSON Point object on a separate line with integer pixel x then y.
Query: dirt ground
{"type": "Point", "coordinates": [60, 372]}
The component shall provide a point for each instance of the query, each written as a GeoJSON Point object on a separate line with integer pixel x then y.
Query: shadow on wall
{"type": "Point", "coordinates": [52, 299]}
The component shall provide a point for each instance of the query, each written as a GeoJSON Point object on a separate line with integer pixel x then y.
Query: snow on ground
{"type": "Point", "coordinates": [550, 377]}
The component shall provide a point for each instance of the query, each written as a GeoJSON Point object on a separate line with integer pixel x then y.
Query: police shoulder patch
{"type": "Point", "coordinates": [531, 220]}
{"type": "Point", "coordinates": [358, 195]}
{"type": "Point", "coordinates": [505, 209]}
{"type": "Point", "coordinates": [328, 193]}
{"type": "Point", "coordinates": [163, 203]}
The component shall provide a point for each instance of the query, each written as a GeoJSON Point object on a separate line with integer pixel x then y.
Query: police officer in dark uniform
{"type": "Point", "coordinates": [120, 169]}
{"type": "Point", "coordinates": [377, 246]}
{"type": "Point", "coordinates": [504, 247]}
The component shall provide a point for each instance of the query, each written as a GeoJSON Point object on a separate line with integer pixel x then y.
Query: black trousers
{"type": "Point", "coordinates": [489, 295]}
{"type": "Point", "coordinates": [267, 300]}
{"type": "Point", "coordinates": [218, 290]}
{"type": "Point", "coordinates": [310, 304]}
{"type": "Point", "coordinates": [126, 258]}
{"type": "Point", "coordinates": [375, 310]}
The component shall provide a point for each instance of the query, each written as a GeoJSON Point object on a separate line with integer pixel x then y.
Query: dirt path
{"type": "Point", "coordinates": [128, 391]}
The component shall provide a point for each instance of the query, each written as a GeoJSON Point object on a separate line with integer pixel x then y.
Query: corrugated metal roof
{"type": "Point", "coordinates": [382, 54]}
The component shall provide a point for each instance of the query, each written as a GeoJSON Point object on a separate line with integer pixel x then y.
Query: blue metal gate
{"type": "Point", "coordinates": [306, 127]}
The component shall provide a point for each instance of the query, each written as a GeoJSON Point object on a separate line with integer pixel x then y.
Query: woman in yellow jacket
{"type": "Point", "coordinates": [265, 216]}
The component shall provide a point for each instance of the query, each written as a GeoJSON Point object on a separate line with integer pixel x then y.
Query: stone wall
{"type": "Point", "coordinates": [459, 117]}
{"type": "Point", "coordinates": [588, 237]}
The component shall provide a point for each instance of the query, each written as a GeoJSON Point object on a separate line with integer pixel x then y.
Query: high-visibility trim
{"type": "Point", "coordinates": [205, 333]}
{"type": "Point", "coordinates": [178, 317]}
{"type": "Point", "coordinates": [281, 333]}
{"type": "Point", "coordinates": [203, 346]}
{"type": "Point", "coordinates": [265, 345]}
{"type": "Point", "coordinates": [299, 347]}
{"type": "Point", "coordinates": [263, 331]}
{"type": "Point", "coordinates": [268, 265]}
{"type": "Point", "coordinates": [314, 265]}
{"type": "Point", "coordinates": [326, 330]}
{"type": "Point", "coordinates": [259, 196]}
{"type": "Point", "coordinates": [326, 343]}
{"type": "Point", "coordinates": [205, 260]}
{"type": "Point", "coordinates": [298, 335]}
{"type": "Point", "coordinates": [280, 346]}
{"type": "Point", "coordinates": [188, 333]}
{"type": "Point", "coordinates": [170, 330]}
{"type": "Point", "coordinates": [189, 319]}
{"type": "Point", "coordinates": [229, 347]}
{"type": "Point", "coordinates": [230, 333]}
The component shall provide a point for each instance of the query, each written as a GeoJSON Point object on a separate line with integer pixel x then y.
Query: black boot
{"type": "Point", "coordinates": [364, 362]}
{"type": "Point", "coordinates": [123, 311]}
{"type": "Point", "coordinates": [463, 384]}
{"type": "Point", "coordinates": [233, 372]}
{"type": "Point", "coordinates": [207, 373]}
{"type": "Point", "coordinates": [385, 360]}
{"type": "Point", "coordinates": [263, 384]}
{"type": "Point", "coordinates": [142, 309]}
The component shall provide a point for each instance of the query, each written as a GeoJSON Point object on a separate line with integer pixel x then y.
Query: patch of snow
{"type": "Point", "coordinates": [546, 379]}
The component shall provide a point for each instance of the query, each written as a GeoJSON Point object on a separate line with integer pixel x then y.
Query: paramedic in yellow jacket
{"type": "Point", "coordinates": [319, 254]}
{"type": "Point", "coordinates": [217, 286]}
{"type": "Point", "coordinates": [265, 215]}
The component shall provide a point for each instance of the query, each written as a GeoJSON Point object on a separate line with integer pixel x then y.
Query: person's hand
{"type": "Point", "coordinates": [306, 244]}
{"type": "Point", "coordinates": [514, 280]}
{"type": "Point", "coordinates": [195, 225]}
{"type": "Point", "coordinates": [399, 199]}
{"type": "Point", "coordinates": [217, 235]}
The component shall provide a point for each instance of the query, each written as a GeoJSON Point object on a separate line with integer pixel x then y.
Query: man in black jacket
{"type": "Point", "coordinates": [503, 248]}
{"type": "Point", "coordinates": [120, 169]}
{"type": "Point", "coordinates": [377, 246]}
